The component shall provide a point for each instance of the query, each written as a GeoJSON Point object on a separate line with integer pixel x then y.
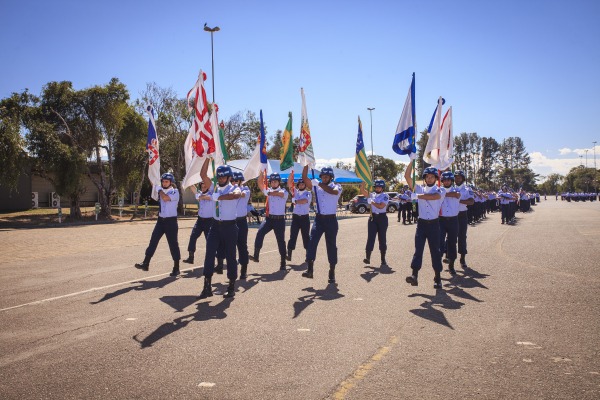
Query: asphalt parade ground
{"type": "Point", "coordinates": [78, 321]}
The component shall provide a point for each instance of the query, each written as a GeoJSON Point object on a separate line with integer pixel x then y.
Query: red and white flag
{"type": "Point", "coordinates": [200, 142]}
{"type": "Point", "coordinates": [446, 141]}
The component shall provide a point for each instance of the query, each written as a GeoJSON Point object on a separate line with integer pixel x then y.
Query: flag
{"type": "Point", "coordinates": [362, 165]}
{"type": "Point", "coordinates": [447, 141]}
{"type": "Point", "coordinates": [200, 142]}
{"type": "Point", "coordinates": [306, 154]}
{"type": "Point", "coordinates": [153, 154]}
{"type": "Point", "coordinates": [287, 155]}
{"type": "Point", "coordinates": [404, 140]}
{"type": "Point", "coordinates": [222, 141]}
{"type": "Point", "coordinates": [219, 156]}
{"type": "Point", "coordinates": [258, 160]}
{"type": "Point", "coordinates": [431, 155]}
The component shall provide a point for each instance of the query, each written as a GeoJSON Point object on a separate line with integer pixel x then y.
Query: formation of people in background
{"type": "Point", "coordinates": [578, 196]}
{"type": "Point", "coordinates": [442, 208]}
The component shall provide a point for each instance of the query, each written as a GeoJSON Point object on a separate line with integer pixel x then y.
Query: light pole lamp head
{"type": "Point", "coordinates": [208, 29]}
{"type": "Point", "coordinates": [370, 108]}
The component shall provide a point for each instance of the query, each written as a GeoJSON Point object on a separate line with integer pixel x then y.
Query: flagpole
{"type": "Point", "coordinates": [212, 55]}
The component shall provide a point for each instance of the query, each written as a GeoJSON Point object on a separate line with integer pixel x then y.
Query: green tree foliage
{"type": "Point", "coordinates": [385, 168]}
{"type": "Point", "coordinates": [581, 179]}
{"type": "Point", "coordinates": [274, 151]}
{"type": "Point", "coordinates": [13, 157]}
{"type": "Point", "coordinates": [344, 166]}
{"type": "Point", "coordinates": [241, 134]}
{"type": "Point", "coordinates": [551, 185]}
{"type": "Point", "coordinates": [348, 192]}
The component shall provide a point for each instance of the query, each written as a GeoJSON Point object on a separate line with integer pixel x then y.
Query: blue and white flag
{"type": "Point", "coordinates": [153, 154]}
{"type": "Point", "coordinates": [404, 140]}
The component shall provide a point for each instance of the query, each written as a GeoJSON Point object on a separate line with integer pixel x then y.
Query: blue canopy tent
{"type": "Point", "coordinates": [341, 175]}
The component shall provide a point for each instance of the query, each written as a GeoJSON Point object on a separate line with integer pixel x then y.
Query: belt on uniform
{"type": "Point", "coordinates": [225, 222]}
{"type": "Point", "coordinates": [167, 217]}
{"type": "Point", "coordinates": [428, 221]}
{"type": "Point", "coordinates": [205, 219]}
{"type": "Point", "coordinates": [451, 217]}
{"type": "Point", "coordinates": [462, 213]}
{"type": "Point", "coordinates": [240, 219]}
{"type": "Point", "coordinates": [379, 214]}
{"type": "Point", "coordinates": [301, 216]}
{"type": "Point", "coordinates": [276, 216]}
{"type": "Point", "coordinates": [325, 215]}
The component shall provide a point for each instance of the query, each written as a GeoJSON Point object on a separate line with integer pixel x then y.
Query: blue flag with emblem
{"type": "Point", "coordinates": [404, 140]}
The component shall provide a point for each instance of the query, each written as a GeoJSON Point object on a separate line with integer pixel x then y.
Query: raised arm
{"type": "Point", "coordinates": [407, 175]}
{"type": "Point", "coordinates": [204, 175]}
{"type": "Point", "coordinates": [261, 182]}
{"type": "Point", "coordinates": [363, 189]}
{"type": "Point", "coordinates": [305, 178]}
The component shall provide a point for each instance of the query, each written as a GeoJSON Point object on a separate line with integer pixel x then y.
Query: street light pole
{"type": "Point", "coordinates": [581, 160]}
{"type": "Point", "coordinates": [372, 152]}
{"type": "Point", "coordinates": [586, 150]}
{"type": "Point", "coordinates": [594, 154]}
{"type": "Point", "coordinates": [212, 56]}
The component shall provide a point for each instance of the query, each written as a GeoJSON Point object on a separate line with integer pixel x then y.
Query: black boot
{"type": "Point", "coordinates": [144, 265]}
{"type": "Point", "coordinates": [207, 289]}
{"type": "Point", "coordinates": [383, 261]}
{"type": "Point", "coordinates": [463, 263]}
{"type": "Point", "coordinates": [289, 255]}
{"type": "Point", "coordinates": [175, 271]}
{"type": "Point", "coordinates": [309, 271]}
{"type": "Point", "coordinates": [367, 259]}
{"type": "Point", "coordinates": [190, 259]}
{"type": "Point", "coordinates": [243, 271]}
{"type": "Point", "coordinates": [414, 278]}
{"type": "Point", "coordinates": [332, 273]}
{"type": "Point", "coordinates": [451, 268]}
{"type": "Point", "coordinates": [282, 264]}
{"type": "Point", "coordinates": [230, 289]}
{"type": "Point", "coordinates": [219, 268]}
{"type": "Point", "coordinates": [437, 281]}
{"type": "Point", "coordinates": [254, 257]}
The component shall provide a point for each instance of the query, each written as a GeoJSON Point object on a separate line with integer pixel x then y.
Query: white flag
{"type": "Point", "coordinates": [431, 155]}
{"type": "Point", "coordinates": [446, 142]}
{"type": "Point", "coordinates": [306, 154]}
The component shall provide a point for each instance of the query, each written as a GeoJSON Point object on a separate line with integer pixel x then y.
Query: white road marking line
{"type": "Point", "coordinates": [528, 306]}
{"type": "Point", "coordinates": [303, 330]}
{"type": "Point", "coordinates": [33, 303]}
{"type": "Point", "coordinates": [130, 319]}
{"type": "Point", "coordinates": [560, 359]}
{"type": "Point", "coordinates": [358, 299]}
{"type": "Point", "coordinates": [206, 384]}
{"type": "Point", "coordinates": [526, 343]}
{"type": "Point", "coordinates": [527, 360]}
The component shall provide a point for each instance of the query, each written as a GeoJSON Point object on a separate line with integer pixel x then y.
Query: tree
{"type": "Point", "coordinates": [241, 133]}
{"type": "Point", "coordinates": [274, 152]}
{"type": "Point", "coordinates": [421, 144]}
{"type": "Point", "coordinates": [488, 167]}
{"type": "Point", "coordinates": [385, 168]}
{"type": "Point", "coordinates": [13, 157]}
{"type": "Point", "coordinates": [344, 166]}
{"type": "Point", "coordinates": [581, 179]}
{"type": "Point", "coordinates": [551, 184]}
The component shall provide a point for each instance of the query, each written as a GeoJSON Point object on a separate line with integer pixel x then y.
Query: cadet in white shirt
{"type": "Point", "coordinates": [242, 222]}
{"type": "Point", "coordinates": [166, 224]}
{"type": "Point", "coordinates": [430, 199]}
{"type": "Point", "coordinates": [223, 232]}
{"type": "Point", "coordinates": [378, 221]}
{"type": "Point", "coordinates": [205, 218]}
{"type": "Point", "coordinates": [275, 217]}
{"type": "Point", "coordinates": [326, 195]}
{"type": "Point", "coordinates": [301, 198]}
{"type": "Point", "coordinates": [466, 199]}
{"type": "Point", "coordinates": [449, 220]}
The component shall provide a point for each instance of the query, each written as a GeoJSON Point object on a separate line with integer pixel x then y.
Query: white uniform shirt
{"type": "Point", "coordinates": [168, 208]}
{"type": "Point", "coordinates": [276, 203]}
{"type": "Point", "coordinates": [465, 194]}
{"type": "Point", "coordinates": [430, 209]}
{"type": "Point", "coordinates": [301, 209]}
{"type": "Point", "coordinates": [326, 203]}
{"type": "Point", "coordinates": [206, 208]}
{"type": "Point", "coordinates": [227, 208]}
{"type": "Point", "coordinates": [450, 205]}
{"type": "Point", "coordinates": [242, 205]}
{"type": "Point", "coordinates": [378, 198]}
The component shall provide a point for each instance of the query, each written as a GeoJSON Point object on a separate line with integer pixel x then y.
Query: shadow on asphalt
{"type": "Point", "coordinates": [331, 292]}
{"type": "Point", "coordinates": [205, 312]}
{"type": "Point", "coordinates": [374, 271]}
{"type": "Point", "coordinates": [136, 286]}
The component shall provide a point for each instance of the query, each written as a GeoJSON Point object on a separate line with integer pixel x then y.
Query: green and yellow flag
{"type": "Point", "coordinates": [362, 165]}
{"type": "Point", "coordinates": [287, 149]}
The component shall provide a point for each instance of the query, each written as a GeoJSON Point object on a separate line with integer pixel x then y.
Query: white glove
{"type": "Point", "coordinates": [215, 196]}
{"type": "Point", "coordinates": [412, 156]}
{"type": "Point", "coordinates": [414, 196]}
{"type": "Point", "coordinates": [158, 188]}
{"type": "Point", "coordinates": [369, 200]}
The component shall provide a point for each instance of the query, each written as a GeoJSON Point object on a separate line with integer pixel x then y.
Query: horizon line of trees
{"type": "Point", "coordinates": [66, 134]}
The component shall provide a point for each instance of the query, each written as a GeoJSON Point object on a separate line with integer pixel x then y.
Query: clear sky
{"type": "Point", "coordinates": [528, 68]}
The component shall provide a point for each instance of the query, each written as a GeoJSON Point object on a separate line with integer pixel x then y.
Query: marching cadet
{"type": "Point", "coordinates": [166, 224]}
{"type": "Point", "coordinates": [301, 198]}
{"type": "Point", "coordinates": [466, 199]}
{"type": "Point", "coordinates": [275, 216]}
{"type": "Point", "coordinates": [378, 221]}
{"type": "Point", "coordinates": [242, 222]}
{"type": "Point", "coordinates": [224, 231]}
{"type": "Point", "coordinates": [430, 198]}
{"type": "Point", "coordinates": [449, 220]}
{"type": "Point", "coordinates": [206, 209]}
{"type": "Point", "coordinates": [405, 206]}
{"type": "Point", "coordinates": [505, 198]}
{"type": "Point", "coordinates": [326, 194]}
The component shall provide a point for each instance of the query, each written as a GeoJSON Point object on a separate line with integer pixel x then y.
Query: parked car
{"type": "Point", "coordinates": [359, 205]}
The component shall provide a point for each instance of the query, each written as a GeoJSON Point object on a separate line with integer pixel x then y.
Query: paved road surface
{"type": "Point", "coordinates": [78, 321]}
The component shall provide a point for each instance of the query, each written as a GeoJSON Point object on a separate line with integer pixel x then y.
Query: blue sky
{"type": "Point", "coordinates": [508, 68]}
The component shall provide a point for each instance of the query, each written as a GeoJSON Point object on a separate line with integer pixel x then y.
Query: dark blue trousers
{"type": "Point", "coordinates": [300, 224]}
{"type": "Point", "coordinates": [377, 226]}
{"type": "Point", "coordinates": [202, 226]}
{"type": "Point", "coordinates": [505, 212]}
{"type": "Point", "coordinates": [268, 225]}
{"type": "Point", "coordinates": [463, 224]}
{"type": "Point", "coordinates": [169, 227]}
{"type": "Point", "coordinates": [327, 225]}
{"type": "Point", "coordinates": [222, 233]}
{"type": "Point", "coordinates": [448, 236]}
{"type": "Point", "coordinates": [427, 231]}
{"type": "Point", "coordinates": [242, 240]}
